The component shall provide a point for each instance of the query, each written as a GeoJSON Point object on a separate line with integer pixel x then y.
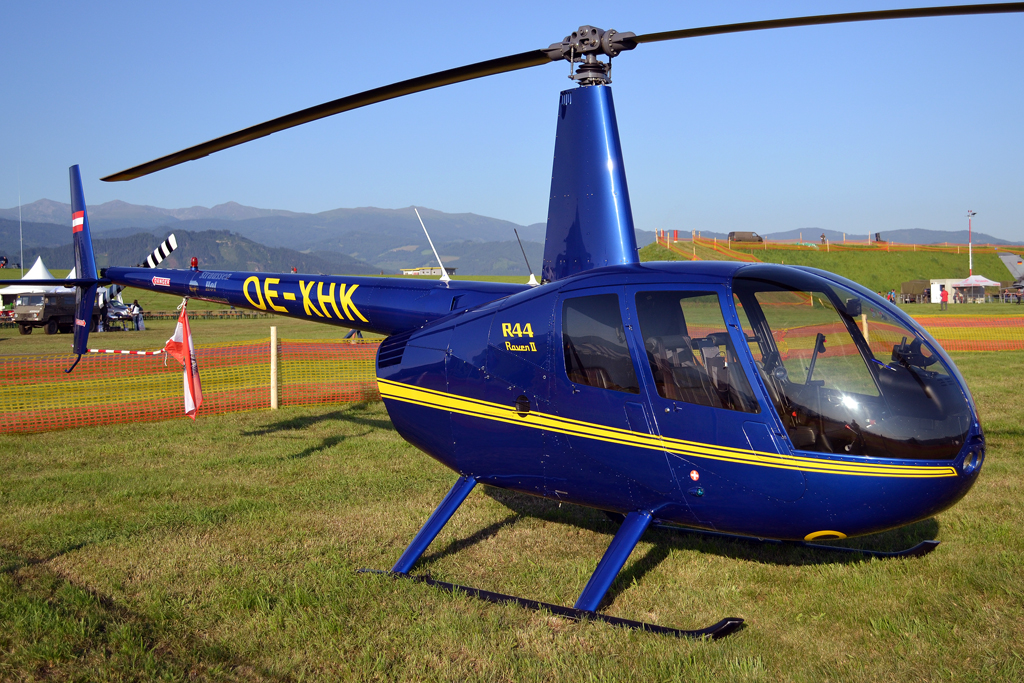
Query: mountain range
{"type": "Point", "coordinates": [215, 249]}
{"type": "Point", "coordinates": [365, 239]}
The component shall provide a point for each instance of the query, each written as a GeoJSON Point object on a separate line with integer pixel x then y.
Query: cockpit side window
{"type": "Point", "coordinates": [690, 352]}
{"type": "Point", "coordinates": [594, 344]}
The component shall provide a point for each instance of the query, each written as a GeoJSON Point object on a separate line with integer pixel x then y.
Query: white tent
{"type": "Point", "coordinates": [976, 281]}
{"type": "Point", "coordinates": [38, 271]}
{"type": "Point", "coordinates": [972, 289]}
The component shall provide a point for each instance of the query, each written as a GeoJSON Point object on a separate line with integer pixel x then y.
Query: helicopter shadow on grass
{"type": "Point", "coordinates": [350, 415]}
{"type": "Point", "coordinates": [667, 540]}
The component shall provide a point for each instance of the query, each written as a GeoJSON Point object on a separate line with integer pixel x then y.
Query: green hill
{"type": "Point", "coordinates": [881, 271]}
{"type": "Point", "coordinates": [215, 249]}
{"type": "Point", "coordinates": [877, 270]}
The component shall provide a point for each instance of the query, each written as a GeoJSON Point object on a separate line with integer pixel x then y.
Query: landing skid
{"type": "Point", "coordinates": [632, 528]}
{"type": "Point", "coordinates": [714, 632]}
{"type": "Point", "coordinates": [919, 550]}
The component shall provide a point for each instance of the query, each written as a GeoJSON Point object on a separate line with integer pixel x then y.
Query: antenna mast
{"type": "Point", "coordinates": [21, 238]}
{"type": "Point", "coordinates": [444, 273]}
{"type": "Point", "coordinates": [533, 278]}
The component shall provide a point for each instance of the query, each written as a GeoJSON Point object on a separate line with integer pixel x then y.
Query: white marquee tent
{"type": "Point", "coordinates": [38, 271]}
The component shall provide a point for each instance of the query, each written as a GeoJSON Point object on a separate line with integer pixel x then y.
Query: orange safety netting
{"type": "Point", "coordinates": [954, 333]}
{"type": "Point", "coordinates": [327, 372]}
{"type": "Point", "coordinates": [976, 333]}
{"type": "Point", "coordinates": [37, 395]}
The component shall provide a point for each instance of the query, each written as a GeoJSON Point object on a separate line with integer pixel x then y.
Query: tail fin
{"type": "Point", "coordinates": [590, 222]}
{"type": "Point", "coordinates": [85, 267]}
{"type": "Point", "coordinates": [1014, 264]}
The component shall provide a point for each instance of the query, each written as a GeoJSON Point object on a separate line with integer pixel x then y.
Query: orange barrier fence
{"type": "Point", "coordinates": [864, 245]}
{"type": "Point", "coordinates": [954, 333]}
{"type": "Point", "coordinates": [676, 247]}
{"type": "Point", "coordinates": [37, 395]}
{"type": "Point", "coordinates": [724, 249]}
{"type": "Point", "coordinates": [976, 333]}
{"type": "Point", "coordinates": [327, 372]}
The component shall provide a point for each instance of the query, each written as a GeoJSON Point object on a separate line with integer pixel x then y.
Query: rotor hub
{"type": "Point", "coordinates": [583, 47]}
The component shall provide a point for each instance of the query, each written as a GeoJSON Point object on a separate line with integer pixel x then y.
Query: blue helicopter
{"type": "Point", "coordinates": [756, 400]}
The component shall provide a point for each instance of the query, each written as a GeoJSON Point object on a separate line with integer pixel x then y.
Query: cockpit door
{"type": "Point", "coordinates": [712, 421]}
{"type": "Point", "coordinates": [605, 429]}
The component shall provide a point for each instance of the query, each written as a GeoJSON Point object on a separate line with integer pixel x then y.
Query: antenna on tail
{"type": "Point", "coordinates": [533, 278]}
{"type": "Point", "coordinates": [444, 273]}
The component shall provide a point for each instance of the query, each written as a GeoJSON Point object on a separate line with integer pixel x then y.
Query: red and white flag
{"type": "Point", "coordinates": [180, 346]}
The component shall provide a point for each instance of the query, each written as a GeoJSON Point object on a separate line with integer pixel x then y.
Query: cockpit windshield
{"type": "Point", "coordinates": [845, 375]}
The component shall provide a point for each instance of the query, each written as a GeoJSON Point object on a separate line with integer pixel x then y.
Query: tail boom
{"type": "Point", "coordinates": [371, 304]}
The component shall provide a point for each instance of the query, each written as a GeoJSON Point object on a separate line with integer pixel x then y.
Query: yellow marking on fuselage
{"type": "Point", "coordinates": [320, 297]}
{"type": "Point", "coordinates": [259, 295]}
{"type": "Point", "coordinates": [598, 432]}
{"type": "Point", "coordinates": [307, 300]}
{"type": "Point", "coordinates": [347, 305]}
{"type": "Point", "coordinates": [330, 298]}
{"type": "Point", "coordinates": [271, 293]}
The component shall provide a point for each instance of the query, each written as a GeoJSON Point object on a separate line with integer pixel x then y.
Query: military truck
{"type": "Point", "coordinates": [52, 312]}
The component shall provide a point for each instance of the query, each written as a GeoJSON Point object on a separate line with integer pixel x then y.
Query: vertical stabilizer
{"type": "Point", "coordinates": [85, 264]}
{"type": "Point", "coordinates": [1014, 264]}
{"type": "Point", "coordinates": [590, 223]}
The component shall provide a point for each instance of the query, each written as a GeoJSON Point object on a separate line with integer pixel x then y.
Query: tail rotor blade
{"type": "Point", "coordinates": [161, 252]}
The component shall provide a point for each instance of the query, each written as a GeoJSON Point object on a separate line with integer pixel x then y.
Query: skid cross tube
{"type": "Point", "coordinates": [435, 523]}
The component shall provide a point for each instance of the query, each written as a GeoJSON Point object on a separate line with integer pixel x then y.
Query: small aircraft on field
{"type": "Point", "coordinates": [759, 400]}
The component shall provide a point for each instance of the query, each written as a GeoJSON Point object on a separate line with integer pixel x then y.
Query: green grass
{"type": "Point", "coordinates": [226, 549]}
{"type": "Point", "coordinates": [15, 273]}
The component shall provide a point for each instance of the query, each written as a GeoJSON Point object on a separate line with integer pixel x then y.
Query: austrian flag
{"type": "Point", "coordinates": [179, 346]}
{"type": "Point", "coordinates": [77, 221]}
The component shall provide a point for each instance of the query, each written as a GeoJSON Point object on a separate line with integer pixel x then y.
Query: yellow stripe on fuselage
{"type": "Point", "coordinates": [429, 398]}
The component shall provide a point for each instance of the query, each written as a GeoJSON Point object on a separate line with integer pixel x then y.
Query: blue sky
{"type": "Point", "coordinates": [857, 128]}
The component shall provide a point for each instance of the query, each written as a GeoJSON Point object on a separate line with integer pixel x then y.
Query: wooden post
{"type": "Point", "coordinates": [864, 327]}
{"type": "Point", "coordinates": [273, 367]}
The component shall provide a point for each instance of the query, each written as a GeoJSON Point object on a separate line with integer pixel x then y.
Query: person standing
{"type": "Point", "coordinates": [944, 298]}
{"type": "Point", "coordinates": [137, 316]}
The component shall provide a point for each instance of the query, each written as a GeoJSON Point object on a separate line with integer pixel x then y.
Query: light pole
{"type": "Point", "coordinates": [970, 252]}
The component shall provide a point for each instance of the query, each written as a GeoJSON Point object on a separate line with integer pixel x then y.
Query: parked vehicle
{"type": "Point", "coordinates": [52, 312]}
{"type": "Point", "coordinates": [745, 237]}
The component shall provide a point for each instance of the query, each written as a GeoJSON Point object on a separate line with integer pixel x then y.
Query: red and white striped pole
{"type": "Point", "coordinates": [970, 250]}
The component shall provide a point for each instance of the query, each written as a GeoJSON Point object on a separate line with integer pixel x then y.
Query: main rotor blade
{"type": "Point", "coordinates": [491, 67]}
{"type": "Point", "coordinates": [523, 60]}
{"type": "Point", "coordinates": [913, 13]}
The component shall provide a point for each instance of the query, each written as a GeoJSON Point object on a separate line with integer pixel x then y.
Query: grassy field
{"type": "Point", "coordinates": [226, 549]}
